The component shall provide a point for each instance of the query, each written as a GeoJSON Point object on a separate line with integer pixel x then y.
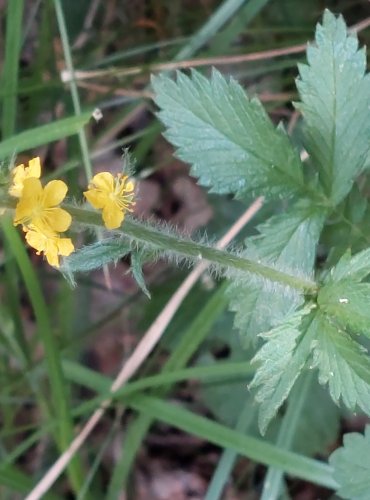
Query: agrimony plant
{"type": "Point", "coordinates": [306, 316]}
{"type": "Point", "coordinates": [299, 313]}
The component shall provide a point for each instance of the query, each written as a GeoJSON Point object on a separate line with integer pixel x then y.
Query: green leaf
{"type": "Point", "coordinates": [343, 365]}
{"type": "Point", "coordinates": [352, 466]}
{"type": "Point", "coordinates": [227, 138]}
{"type": "Point", "coordinates": [287, 242]}
{"type": "Point", "coordinates": [30, 139]}
{"type": "Point", "coordinates": [355, 268]}
{"type": "Point", "coordinates": [94, 256]}
{"type": "Point", "coordinates": [137, 271]}
{"type": "Point", "coordinates": [281, 360]}
{"type": "Point", "coordinates": [348, 303]}
{"type": "Point", "coordinates": [335, 96]}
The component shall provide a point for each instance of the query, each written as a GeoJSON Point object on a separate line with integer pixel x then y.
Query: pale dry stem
{"type": "Point", "coordinates": [140, 354]}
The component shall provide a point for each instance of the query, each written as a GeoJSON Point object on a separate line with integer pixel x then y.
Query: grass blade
{"type": "Point", "coordinates": [58, 386]}
{"type": "Point", "coordinates": [255, 449]}
{"type": "Point", "coordinates": [218, 19]}
{"type": "Point", "coordinates": [13, 43]}
{"type": "Point", "coordinates": [190, 342]}
{"type": "Point", "coordinates": [30, 139]}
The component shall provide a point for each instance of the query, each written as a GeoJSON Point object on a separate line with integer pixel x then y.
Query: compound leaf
{"type": "Point", "coordinates": [228, 139]}
{"type": "Point", "coordinates": [352, 466]}
{"type": "Point", "coordinates": [343, 297]}
{"type": "Point", "coordinates": [335, 95]}
{"type": "Point", "coordinates": [342, 364]}
{"type": "Point", "coordinates": [281, 360]}
{"type": "Point", "coordinates": [288, 242]}
{"type": "Point", "coordinates": [347, 302]}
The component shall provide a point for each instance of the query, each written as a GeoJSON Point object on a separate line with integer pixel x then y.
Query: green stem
{"type": "Point", "coordinates": [73, 86]}
{"type": "Point", "coordinates": [156, 239]}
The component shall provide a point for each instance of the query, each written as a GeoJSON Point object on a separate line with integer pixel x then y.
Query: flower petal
{"type": "Point", "coordinates": [36, 240]}
{"type": "Point", "coordinates": [32, 190]}
{"type": "Point", "coordinates": [103, 181]}
{"type": "Point", "coordinates": [96, 198]}
{"type": "Point", "coordinates": [19, 176]}
{"type": "Point", "coordinates": [52, 246]}
{"type": "Point", "coordinates": [56, 219]}
{"type": "Point", "coordinates": [54, 193]}
{"type": "Point", "coordinates": [34, 168]}
{"type": "Point", "coordinates": [112, 215]}
{"type": "Point", "coordinates": [65, 246]}
{"type": "Point", "coordinates": [51, 252]}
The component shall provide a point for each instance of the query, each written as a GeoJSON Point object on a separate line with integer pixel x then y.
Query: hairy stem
{"type": "Point", "coordinates": [155, 238]}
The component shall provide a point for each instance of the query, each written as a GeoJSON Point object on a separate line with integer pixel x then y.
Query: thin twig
{"type": "Point", "coordinates": [66, 76]}
{"type": "Point", "coordinates": [139, 355]}
{"type": "Point", "coordinates": [189, 63]}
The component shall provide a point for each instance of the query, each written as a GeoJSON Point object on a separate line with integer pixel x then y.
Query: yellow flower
{"type": "Point", "coordinates": [115, 196]}
{"type": "Point", "coordinates": [21, 173]}
{"type": "Point", "coordinates": [51, 245]}
{"type": "Point", "coordinates": [42, 219]}
{"type": "Point", "coordinates": [38, 207]}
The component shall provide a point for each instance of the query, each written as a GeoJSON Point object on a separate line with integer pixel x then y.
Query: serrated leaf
{"type": "Point", "coordinates": [355, 268]}
{"type": "Point", "coordinates": [352, 466]}
{"type": "Point", "coordinates": [342, 364]}
{"type": "Point", "coordinates": [348, 303]}
{"type": "Point", "coordinates": [94, 256]}
{"type": "Point", "coordinates": [288, 242]}
{"type": "Point", "coordinates": [281, 360]}
{"type": "Point", "coordinates": [227, 138]}
{"type": "Point", "coordinates": [137, 272]}
{"type": "Point", "coordinates": [335, 95]}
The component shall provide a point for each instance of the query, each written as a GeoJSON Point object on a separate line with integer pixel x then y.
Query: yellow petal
{"type": "Point", "coordinates": [96, 198]}
{"type": "Point", "coordinates": [20, 174]}
{"type": "Point", "coordinates": [29, 202]}
{"type": "Point", "coordinates": [104, 181]}
{"type": "Point", "coordinates": [51, 245]}
{"type": "Point", "coordinates": [36, 240]}
{"type": "Point", "coordinates": [65, 246]}
{"type": "Point", "coordinates": [112, 215]}
{"type": "Point", "coordinates": [56, 219]}
{"type": "Point", "coordinates": [23, 212]}
{"type": "Point", "coordinates": [32, 190]}
{"type": "Point", "coordinates": [34, 168]}
{"type": "Point", "coordinates": [51, 252]}
{"type": "Point", "coordinates": [54, 193]}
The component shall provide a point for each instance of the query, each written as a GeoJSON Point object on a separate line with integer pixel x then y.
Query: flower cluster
{"type": "Point", "coordinates": [43, 220]}
{"type": "Point", "coordinates": [39, 213]}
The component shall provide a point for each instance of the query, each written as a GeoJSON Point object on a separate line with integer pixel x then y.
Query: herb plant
{"type": "Point", "coordinates": [299, 292]}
